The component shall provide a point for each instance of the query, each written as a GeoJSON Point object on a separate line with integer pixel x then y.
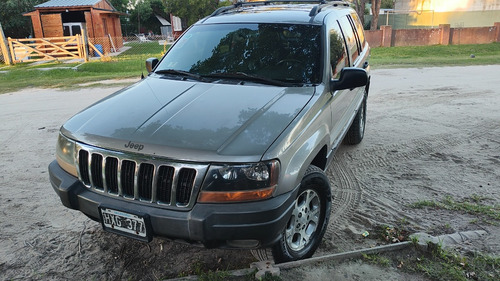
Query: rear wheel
{"type": "Point", "coordinates": [307, 224]}
{"type": "Point", "coordinates": [357, 130]}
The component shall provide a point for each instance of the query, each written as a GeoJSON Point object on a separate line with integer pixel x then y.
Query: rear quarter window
{"type": "Point", "coordinates": [350, 39]}
{"type": "Point", "coordinates": [359, 28]}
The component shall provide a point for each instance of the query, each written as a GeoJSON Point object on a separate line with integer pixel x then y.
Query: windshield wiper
{"type": "Point", "coordinates": [248, 77]}
{"type": "Point", "coordinates": [180, 72]}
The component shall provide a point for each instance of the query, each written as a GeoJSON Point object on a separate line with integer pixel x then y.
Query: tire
{"type": "Point", "coordinates": [357, 130]}
{"type": "Point", "coordinates": [307, 225]}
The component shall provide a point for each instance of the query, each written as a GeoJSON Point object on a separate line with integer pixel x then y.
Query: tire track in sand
{"type": "Point", "coordinates": [350, 186]}
{"type": "Point", "coordinates": [346, 196]}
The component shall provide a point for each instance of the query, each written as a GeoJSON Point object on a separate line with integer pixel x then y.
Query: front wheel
{"type": "Point", "coordinates": [308, 222]}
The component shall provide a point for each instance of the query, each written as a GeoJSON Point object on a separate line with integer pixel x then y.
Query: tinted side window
{"type": "Point", "coordinates": [350, 38]}
{"type": "Point", "coordinates": [359, 28]}
{"type": "Point", "coordinates": [338, 55]}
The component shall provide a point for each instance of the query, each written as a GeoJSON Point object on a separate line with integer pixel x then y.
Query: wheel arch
{"type": "Point", "coordinates": [313, 151]}
{"type": "Point", "coordinates": [320, 160]}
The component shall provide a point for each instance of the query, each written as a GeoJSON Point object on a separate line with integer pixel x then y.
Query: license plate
{"type": "Point", "coordinates": [124, 223]}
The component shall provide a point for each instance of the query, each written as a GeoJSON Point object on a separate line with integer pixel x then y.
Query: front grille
{"type": "Point", "coordinates": [155, 181]}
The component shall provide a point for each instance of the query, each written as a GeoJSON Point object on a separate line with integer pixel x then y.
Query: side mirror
{"type": "Point", "coordinates": [350, 78]}
{"type": "Point", "coordinates": [151, 64]}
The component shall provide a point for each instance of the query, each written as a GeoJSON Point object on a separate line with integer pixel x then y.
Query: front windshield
{"type": "Point", "coordinates": [282, 52]}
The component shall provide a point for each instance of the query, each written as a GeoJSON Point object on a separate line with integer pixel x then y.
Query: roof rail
{"type": "Point", "coordinates": [314, 11]}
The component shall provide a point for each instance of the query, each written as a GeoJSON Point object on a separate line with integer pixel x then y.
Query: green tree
{"type": "Point", "coordinates": [360, 10]}
{"type": "Point", "coordinates": [14, 24]}
{"type": "Point", "coordinates": [143, 15]}
{"type": "Point", "coordinates": [120, 5]}
{"type": "Point", "coordinates": [387, 4]}
{"type": "Point", "coordinates": [141, 11]}
{"type": "Point", "coordinates": [190, 11]}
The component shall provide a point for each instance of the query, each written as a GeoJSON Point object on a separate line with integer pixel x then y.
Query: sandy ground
{"type": "Point", "coordinates": [431, 133]}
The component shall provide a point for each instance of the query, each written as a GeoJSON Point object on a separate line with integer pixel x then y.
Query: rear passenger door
{"type": "Point", "coordinates": [340, 100]}
{"type": "Point", "coordinates": [354, 40]}
{"type": "Point", "coordinates": [346, 50]}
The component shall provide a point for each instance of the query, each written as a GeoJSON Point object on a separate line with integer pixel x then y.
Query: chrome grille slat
{"type": "Point", "coordinates": [154, 185]}
{"type": "Point", "coordinates": [89, 169]}
{"type": "Point", "coordinates": [119, 178]}
{"type": "Point", "coordinates": [103, 174]}
{"type": "Point", "coordinates": [134, 177]}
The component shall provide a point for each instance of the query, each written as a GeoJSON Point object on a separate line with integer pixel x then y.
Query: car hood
{"type": "Point", "coordinates": [190, 120]}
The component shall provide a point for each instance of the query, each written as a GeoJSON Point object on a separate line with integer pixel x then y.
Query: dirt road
{"type": "Point", "coordinates": [431, 133]}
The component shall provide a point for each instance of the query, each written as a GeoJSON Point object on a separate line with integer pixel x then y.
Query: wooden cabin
{"type": "Point", "coordinates": [99, 19]}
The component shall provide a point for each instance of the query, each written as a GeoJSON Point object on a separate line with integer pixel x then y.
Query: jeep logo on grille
{"type": "Point", "coordinates": [136, 146]}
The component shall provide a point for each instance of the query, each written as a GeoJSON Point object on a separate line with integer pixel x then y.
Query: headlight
{"type": "Point", "coordinates": [236, 183]}
{"type": "Point", "coordinates": [65, 154]}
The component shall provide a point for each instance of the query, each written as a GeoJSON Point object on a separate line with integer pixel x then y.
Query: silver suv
{"type": "Point", "coordinates": [225, 142]}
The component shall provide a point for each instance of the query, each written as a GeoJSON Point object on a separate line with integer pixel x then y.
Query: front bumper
{"type": "Point", "coordinates": [233, 225]}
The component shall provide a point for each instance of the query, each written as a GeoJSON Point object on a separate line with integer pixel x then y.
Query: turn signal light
{"type": "Point", "coordinates": [235, 196]}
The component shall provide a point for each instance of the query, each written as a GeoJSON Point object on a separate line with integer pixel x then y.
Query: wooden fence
{"type": "Point", "coordinates": [52, 48]}
{"type": "Point", "coordinates": [443, 35]}
{"type": "Point", "coordinates": [47, 49]}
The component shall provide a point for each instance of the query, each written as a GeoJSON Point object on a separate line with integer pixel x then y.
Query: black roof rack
{"type": "Point", "coordinates": [314, 11]}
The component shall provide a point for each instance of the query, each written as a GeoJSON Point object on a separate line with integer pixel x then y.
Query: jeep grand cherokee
{"type": "Point", "coordinates": [225, 142]}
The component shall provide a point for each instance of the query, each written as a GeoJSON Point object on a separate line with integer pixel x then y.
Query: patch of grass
{"type": "Point", "coordinates": [404, 221]}
{"type": "Point", "coordinates": [128, 64]}
{"type": "Point", "coordinates": [204, 274]}
{"type": "Point", "coordinates": [137, 48]}
{"type": "Point", "coordinates": [377, 259]}
{"type": "Point", "coordinates": [441, 264]}
{"type": "Point", "coordinates": [414, 240]}
{"type": "Point", "coordinates": [269, 277]}
{"type": "Point", "coordinates": [471, 206]}
{"type": "Point", "coordinates": [62, 75]}
{"type": "Point", "coordinates": [391, 234]}
{"type": "Point", "coordinates": [437, 55]}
